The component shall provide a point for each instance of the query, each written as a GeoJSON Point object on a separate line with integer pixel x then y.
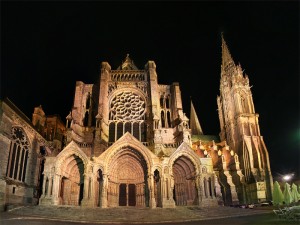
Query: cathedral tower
{"type": "Point", "coordinates": [240, 128]}
{"type": "Point", "coordinates": [131, 100]}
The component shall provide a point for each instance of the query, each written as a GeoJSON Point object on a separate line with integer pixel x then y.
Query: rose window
{"type": "Point", "coordinates": [127, 106]}
{"type": "Point", "coordinates": [19, 137]}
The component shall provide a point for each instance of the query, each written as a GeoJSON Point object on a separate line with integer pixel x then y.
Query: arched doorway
{"type": "Point", "coordinates": [184, 191]}
{"type": "Point", "coordinates": [128, 183]}
{"type": "Point", "coordinates": [71, 183]}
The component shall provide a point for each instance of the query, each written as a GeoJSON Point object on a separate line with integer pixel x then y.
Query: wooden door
{"type": "Point", "coordinates": [131, 195]}
{"type": "Point", "coordinates": [122, 195]}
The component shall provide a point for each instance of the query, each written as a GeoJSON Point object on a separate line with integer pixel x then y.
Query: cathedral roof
{"type": "Point", "coordinates": [127, 64]}
{"type": "Point", "coordinates": [8, 102]}
{"type": "Point", "coordinates": [205, 138]}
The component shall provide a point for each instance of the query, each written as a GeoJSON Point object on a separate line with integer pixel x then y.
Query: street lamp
{"type": "Point", "coordinates": [287, 177]}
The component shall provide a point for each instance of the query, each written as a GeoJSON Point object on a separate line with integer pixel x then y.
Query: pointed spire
{"type": "Point", "coordinates": [127, 59]}
{"type": "Point", "coordinates": [194, 122]}
{"type": "Point", "coordinates": [227, 60]}
{"type": "Point", "coordinates": [128, 64]}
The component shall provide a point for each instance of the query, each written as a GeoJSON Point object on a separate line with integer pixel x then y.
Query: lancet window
{"type": "Point", "coordinates": [89, 118]}
{"type": "Point", "coordinates": [88, 101]}
{"type": "Point", "coordinates": [165, 112]}
{"type": "Point", "coordinates": [244, 104]}
{"type": "Point", "coordinates": [18, 155]}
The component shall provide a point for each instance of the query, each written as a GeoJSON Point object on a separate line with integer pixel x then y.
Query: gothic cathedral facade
{"type": "Point", "coordinates": [128, 142]}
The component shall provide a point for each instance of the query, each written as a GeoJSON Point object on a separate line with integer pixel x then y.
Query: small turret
{"type": "Point", "coordinates": [38, 118]}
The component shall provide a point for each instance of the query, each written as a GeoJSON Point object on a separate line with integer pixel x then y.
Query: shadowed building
{"type": "Point", "coordinates": [24, 145]}
{"type": "Point", "coordinates": [127, 142]}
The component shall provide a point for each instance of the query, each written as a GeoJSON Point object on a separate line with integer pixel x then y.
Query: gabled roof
{"type": "Point", "coordinates": [206, 138]}
{"type": "Point", "coordinates": [127, 140]}
{"type": "Point", "coordinates": [16, 110]}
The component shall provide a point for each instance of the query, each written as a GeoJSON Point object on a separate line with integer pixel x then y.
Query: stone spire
{"type": "Point", "coordinates": [194, 122]}
{"type": "Point", "coordinates": [227, 61]}
{"type": "Point", "coordinates": [128, 64]}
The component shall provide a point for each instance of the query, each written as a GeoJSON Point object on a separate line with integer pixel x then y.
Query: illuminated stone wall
{"type": "Point", "coordinates": [128, 142]}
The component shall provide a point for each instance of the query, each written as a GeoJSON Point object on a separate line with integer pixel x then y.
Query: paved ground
{"type": "Point", "coordinates": [131, 214]}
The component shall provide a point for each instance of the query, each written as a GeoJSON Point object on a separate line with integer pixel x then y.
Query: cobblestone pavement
{"type": "Point", "coordinates": [131, 214]}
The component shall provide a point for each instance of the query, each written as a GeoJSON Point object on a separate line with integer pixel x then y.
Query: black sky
{"type": "Point", "coordinates": [47, 46]}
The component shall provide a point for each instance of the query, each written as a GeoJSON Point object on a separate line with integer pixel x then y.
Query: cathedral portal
{"type": "Point", "coordinates": [184, 191]}
{"type": "Point", "coordinates": [71, 182]}
{"type": "Point", "coordinates": [127, 179]}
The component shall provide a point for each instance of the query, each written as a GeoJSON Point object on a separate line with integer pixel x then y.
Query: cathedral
{"type": "Point", "coordinates": [128, 142]}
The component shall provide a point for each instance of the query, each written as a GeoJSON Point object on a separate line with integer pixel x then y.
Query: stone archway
{"type": "Point", "coordinates": [184, 192]}
{"type": "Point", "coordinates": [128, 183]}
{"type": "Point", "coordinates": [71, 182]}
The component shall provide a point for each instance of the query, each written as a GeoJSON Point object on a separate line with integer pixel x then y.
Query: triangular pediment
{"type": "Point", "coordinates": [72, 149]}
{"type": "Point", "coordinates": [127, 137]}
{"type": "Point", "coordinates": [127, 140]}
{"type": "Point", "coordinates": [183, 147]}
{"type": "Point", "coordinates": [185, 150]}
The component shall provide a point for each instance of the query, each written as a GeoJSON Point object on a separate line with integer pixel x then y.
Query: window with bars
{"type": "Point", "coordinates": [18, 155]}
{"type": "Point", "coordinates": [118, 129]}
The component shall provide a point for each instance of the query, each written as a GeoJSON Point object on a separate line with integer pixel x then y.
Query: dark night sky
{"type": "Point", "coordinates": [47, 46]}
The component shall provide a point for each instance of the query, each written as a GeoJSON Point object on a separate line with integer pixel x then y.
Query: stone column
{"type": "Point", "coordinates": [234, 196]}
{"type": "Point", "coordinates": [93, 191]}
{"type": "Point", "coordinates": [199, 189]}
{"type": "Point", "coordinates": [152, 202]}
{"type": "Point", "coordinates": [51, 187]}
{"type": "Point", "coordinates": [42, 200]}
{"type": "Point", "coordinates": [56, 189]}
{"type": "Point", "coordinates": [85, 186]}
{"type": "Point", "coordinates": [207, 188]}
{"type": "Point", "coordinates": [47, 198]}
{"type": "Point", "coordinates": [86, 200]}
{"type": "Point", "coordinates": [168, 184]}
{"type": "Point", "coordinates": [44, 187]}
{"type": "Point", "coordinates": [171, 187]}
{"type": "Point", "coordinates": [212, 187]}
{"type": "Point", "coordinates": [143, 195]}
{"type": "Point", "coordinates": [104, 191]}
{"type": "Point", "coordinates": [218, 188]}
